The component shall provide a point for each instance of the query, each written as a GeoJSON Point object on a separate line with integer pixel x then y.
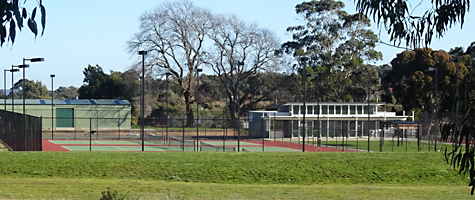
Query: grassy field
{"type": "Point", "coordinates": [217, 175]}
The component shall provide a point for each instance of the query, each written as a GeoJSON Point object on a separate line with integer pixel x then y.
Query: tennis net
{"type": "Point", "coordinates": [205, 146]}
{"type": "Point", "coordinates": [154, 139]}
{"type": "Point", "coordinates": [180, 141]}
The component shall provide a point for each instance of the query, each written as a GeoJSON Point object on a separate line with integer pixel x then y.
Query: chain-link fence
{"type": "Point", "coordinates": [221, 134]}
{"type": "Point", "coordinates": [20, 132]}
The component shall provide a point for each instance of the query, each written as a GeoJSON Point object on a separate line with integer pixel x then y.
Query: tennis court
{"type": "Point", "coordinates": [161, 146]}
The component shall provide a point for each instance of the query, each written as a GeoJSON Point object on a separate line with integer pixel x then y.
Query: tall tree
{"type": "Point", "coordinates": [337, 44]}
{"type": "Point", "coordinates": [414, 86]}
{"type": "Point", "coordinates": [99, 85]}
{"type": "Point", "coordinates": [12, 14]}
{"type": "Point", "coordinates": [70, 92]}
{"type": "Point", "coordinates": [404, 23]}
{"type": "Point", "coordinates": [174, 34]}
{"type": "Point", "coordinates": [242, 51]}
{"type": "Point", "coordinates": [32, 89]}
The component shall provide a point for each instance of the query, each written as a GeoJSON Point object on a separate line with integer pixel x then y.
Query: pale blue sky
{"type": "Point", "coordinates": [93, 32]}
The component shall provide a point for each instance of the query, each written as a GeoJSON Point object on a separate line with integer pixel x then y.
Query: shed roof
{"type": "Point", "coordinates": [67, 102]}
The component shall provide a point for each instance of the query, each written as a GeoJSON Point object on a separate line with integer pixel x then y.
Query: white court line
{"type": "Point", "coordinates": [66, 148]}
{"type": "Point", "coordinates": [120, 148]}
{"type": "Point", "coordinates": [99, 142]}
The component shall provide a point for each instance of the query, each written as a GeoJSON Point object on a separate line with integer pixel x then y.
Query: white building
{"type": "Point", "coordinates": [337, 119]}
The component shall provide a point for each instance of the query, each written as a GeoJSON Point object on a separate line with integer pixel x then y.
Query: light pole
{"type": "Point", "coordinates": [303, 61]}
{"type": "Point", "coordinates": [436, 103]}
{"type": "Point", "coordinates": [238, 63]}
{"type": "Point", "coordinates": [52, 105]}
{"type": "Point", "coordinates": [12, 91]}
{"type": "Point", "coordinates": [197, 106]}
{"type": "Point", "coordinates": [142, 108]}
{"type": "Point", "coordinates": [369, 105]}
{"type": "Point", "coordinates": [456, 60]}
{"type": "Point", "coordinates": [23, 82]}
{"type": "Point", "coordinates": [369, 116]}
{"type": "Point", "coordinates": [5, 85]}
{"type": "Point", "coordinates": [319, 140]}
{"type": "Point", "coordinates": [166, 105]}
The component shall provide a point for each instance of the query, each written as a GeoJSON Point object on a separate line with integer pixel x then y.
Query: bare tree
{"type": "Point", "coordinates": [174, 34]}
{"type": "Point", "coordinates": [240, 51]}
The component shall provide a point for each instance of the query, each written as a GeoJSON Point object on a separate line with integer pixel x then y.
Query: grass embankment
{"type": "Point", "coordinates": [2, 147]}
{"type": "Point", "coordinates": [208, 175]}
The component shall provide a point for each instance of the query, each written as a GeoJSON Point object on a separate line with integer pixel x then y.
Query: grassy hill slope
{"type": "Point", "coordinates": [236, 168]}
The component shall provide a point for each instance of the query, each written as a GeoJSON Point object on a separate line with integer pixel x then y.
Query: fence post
{"type": "Point", "coordinates": [90, 134]}
{"type": "Point", "coordinates": [119, 125]}
{"type": "Point", "coordinates": [239, 132]}
{"type": "Point", "coordinates": [381, 137]}
{"type": "Point", "coordinates": [263, 128]}
{"type": "Point", "coordinates": [392, 146]}
{"type": "Point", "coordinates": [197, 129]}
{"type": "Point", "coordinates": [405, 135]}
{"type": "Point", "coordinates": [224, 136]}
{"type": "Point", "coordinates": [429, 143]}
{"type": "Point", "coordinates": [183, 138]}
{"type": "Point", "coordinates": [166, 130]}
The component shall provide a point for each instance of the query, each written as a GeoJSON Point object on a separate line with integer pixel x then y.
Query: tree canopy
{"type": "Point", "coordinates": [99, 85]}
{"type": "Point", "coordinates": [32, 89]}
{"type": "Point", "coordinates": [403, 23]}
{"type": "Point", "coordinates": [337, 45]}
{"type": "Point", "coordinates": [12, 16]}
{"type": "Point", "coordinates": [181, 39]}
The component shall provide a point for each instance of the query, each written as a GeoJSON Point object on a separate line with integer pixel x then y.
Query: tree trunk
{"type": "Point", "coordinates": [233, 113]}
{"type": "Point", "coordinates": [189, 111]}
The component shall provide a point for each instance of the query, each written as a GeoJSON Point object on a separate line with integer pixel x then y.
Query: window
{"type": "Point", "coordinates": [295, 109]}
{"type": "Point", "coordinates": [302, 110]}
{"type": "Point", "coordinates": [352, 110]}
{"type": "Point", "coordinates": [331, 110]}
{"type": "Point", "coordinates": [344, 110]}
{"type": "Point", "coordinates": [338, 110]}
{"type": "Point", "coordinates": [359, 110]}
{"type": "Point", "coordinates": [372, 109]}
{"type": "Point", "coordinates": [324, 110]}
{"type": "Point", "coordinates": [309, 109]}
{"type": "Point", "coordinates": [295, 125]}
{"type": "Point", "coordinates": [316, 110]}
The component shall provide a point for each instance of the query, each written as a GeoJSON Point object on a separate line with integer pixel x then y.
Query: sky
{"type": "Point", "coordinates": [79, 33]}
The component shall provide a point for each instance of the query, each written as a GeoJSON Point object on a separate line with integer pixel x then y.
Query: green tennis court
{"type": "Point", "coordinates": [157, 146]}
{"type": "Point", "coordinates": [230, 143]}
{"type": "Point", "coordinates": [107, 142]}
{"type": "Point", "coordinates": [113, 148]}
{"type": "Point", "coordinates": [268, 149]}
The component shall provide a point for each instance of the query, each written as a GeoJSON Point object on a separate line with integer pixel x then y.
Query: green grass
{"type": "Point", "coordinates": [233, 175]}
{"type": "Point", "coordinates": [237, 167]}
{"type": "Point", "coordinates": [387, 146]}
{"type": "Point", "coordinates": [83, 188]}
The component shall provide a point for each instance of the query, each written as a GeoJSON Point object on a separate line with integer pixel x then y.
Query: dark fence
{"type": "Point", "coordinates": [20, 132]}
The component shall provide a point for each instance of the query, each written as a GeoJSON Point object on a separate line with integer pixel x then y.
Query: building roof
{"type": "Point", "coordinates": [67, 102]}
{"type": "Point", "coordinates": [332, 103]}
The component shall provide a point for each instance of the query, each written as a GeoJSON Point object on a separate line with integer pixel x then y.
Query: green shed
{"type": "Point", "coordinates": [77, 114]}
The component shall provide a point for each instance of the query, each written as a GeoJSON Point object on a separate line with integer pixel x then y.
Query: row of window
{"type": "Point", "coordinates": [333, 110]}
{"type": "Point", "coordinates": [336, 125]}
